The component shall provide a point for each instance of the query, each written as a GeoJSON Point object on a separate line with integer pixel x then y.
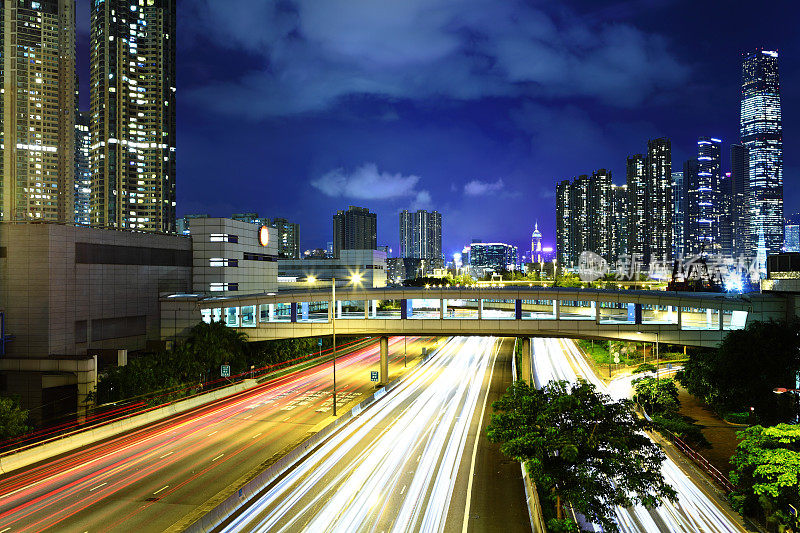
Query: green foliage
{"type": "Point", "coordinates": [581, 446]}
{"type": "Point", "coordinates": [767, 472]}
{"type": "Point", "coordinates": [737, 418]}
{"type": "Point", "coordinates": [644, 367]}
{"type": "Point", "coordinates": [682, 426]}
{"type": "Point", "coordinates": [13, 418]}
{"type": "Point", "coordinates": [172, 374]}
{"type": "Point", "coordinates": [745, 369]}
{"type": "Point", "coordinates": [656, 396]}
{"type": "Point", "coordinates": [568, 280]}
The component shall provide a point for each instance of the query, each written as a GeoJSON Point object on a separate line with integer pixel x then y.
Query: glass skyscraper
{"type": "Point", "coordinates": [132, 93]}
{"type": "Point", "coordinates": [703, 194]}
{"type": "Point", "coordinates": [659, 200]}
{"type": "Point", "coordinates": [761, 134]}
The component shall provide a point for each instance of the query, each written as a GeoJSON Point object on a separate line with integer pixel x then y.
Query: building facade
{"type": "Point", "coordinates": [364, 267]}
{"type": "Point", "coordinates": [762, 134]}
{"type": "Point", "coordinates": [659, 200]}
{"type": "Point", "coordinates": [619, 222]}
{"type": "Point", "coordinates": [421, 236]}
{"type": "Point", "coordinates": [233, 257]}
{"type": "Point", "coordinates": [740, 200]}
{"type": "Point", "coordinates": [492, 256]}
{"type": "Point", "coordinates": [288, 235]}
{"type": "Point", "coordinates": [703, 200]}
{"type": "Point", "coordinates": [354, 229]}
{"type": "Point", "coordinates": [564, 245]}
{"type": "Point", "coordinates": [586, 218]}
{"type": "Point", "coordinates": [536, 245]}
{"type": "Point", "coordinates": [678, 215]}
{"type": "Point", "coordinates": [636, 179]}
{"type": "Point", "coordinates": [132, 93]}
{"type": "Point", "coordinates": [83, 171]}
{"type": "Point", "coordinates": [38, 111]}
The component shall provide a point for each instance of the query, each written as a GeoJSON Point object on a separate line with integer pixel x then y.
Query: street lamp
{"type": "Point", "coordinates": [333, 327]}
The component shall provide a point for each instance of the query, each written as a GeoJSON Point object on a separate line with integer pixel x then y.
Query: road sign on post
{"type": "Point", "coordinates": [319, 342]}
{"type": "Point", "coordinates": [373, 375]}
{"type": "Point", "coordinates": [225, 371]}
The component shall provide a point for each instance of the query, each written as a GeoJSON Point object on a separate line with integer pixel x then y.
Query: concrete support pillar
{"type": "Point", "coordinates": [374, 309]}
{"type": "Point", "coordinates": [366, 309]}
{"type": "Point", "coordinates": [596, 306]}
{"type": "Point", "coordinates": [637, 313]}
{"type": "Point", "coordinates": [721, 320]}
{"type": "Point", "coordinates": [480, 308]}
{"type": "Point", "coordinates": [122, 357]}
{"type": "Point", "coordinates": [304, 311]}
{"type": "Point", "coordinates": [271, 313]}
{"type": "Point", "coordinates": [557, 309]}
{"type": "Point", "coordinates": [338, 309]}
{"type": "Point", "coordinates": [384, 360]}
{"type": "Point", "coordinates": [680, 317]}
{"type": "Point", "coordinates": [708, 319]}
{"type": "Point", "coordinates": [87, 383]}
{"type": "Point", "coordinates": [293, 312]}
{"type": "Point", "coordinates": [524, 370]}
{"type": "Point", "coordinates": [518, 309]}
{"type": "Point", "coordinates": [442, 308]}
{"type": "Point", "coordinates": [403, 309]}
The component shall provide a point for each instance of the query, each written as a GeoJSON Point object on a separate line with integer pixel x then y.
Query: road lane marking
{"type": "Point", "coordinates": [162, 488]}
{"type": "Point", "coordinates": [477, 440]}
{"type": "Point", "coordinates": [285, 419]}
{"type": "Point", "coordinates": [217, 457]}
{"type": "Point", "coordinates": [256, 435]}
{"type": "Point", "coordinates": [98, 486]}
{"type": "Point", "coordinates": [211, 433]}
{"type": "Point", "coordinates": [402, 490]}
{"type": "Point", "coordinates": [166, 455]}
{"type": "Point", "coordinates": [4, 530]}
{"type": "Point", "coordinates": [248, 416]}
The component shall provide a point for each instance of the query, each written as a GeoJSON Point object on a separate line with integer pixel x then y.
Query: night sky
{"type": "Point", "coordinates": [475, 108]}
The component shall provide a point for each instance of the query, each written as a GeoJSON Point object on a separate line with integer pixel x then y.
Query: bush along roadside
{"type": "Point", "coordinates": [659, 399]}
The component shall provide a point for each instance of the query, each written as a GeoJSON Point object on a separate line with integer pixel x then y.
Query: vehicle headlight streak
{"type": "Point", "coordinates": [346, 485]}
{"type": "Point", "coordinates": [554, 359]}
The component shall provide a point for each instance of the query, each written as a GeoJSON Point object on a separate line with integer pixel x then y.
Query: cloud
{"type": "Point", "coordinates": [316, 55]}
{"type": "Point", "coordinates": [482, 188]}
{"type": "Point", "coordinates": [368, 183]}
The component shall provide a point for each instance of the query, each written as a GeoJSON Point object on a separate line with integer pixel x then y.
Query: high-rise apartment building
{"type": "Point", "coordinates": [421, 236]}
{"type": "Point", "coordinates": [355, 229]}
{"type": "Point", "coordinates": [636, 179]}
{"type": "Point", "coordinates": [132, 93]}
{"type": "Point", "coordinates": [288, 237]}
{"type": "Point", "coordinates": [38, 110]}
{"type": "Point", "coordinates": [83, 171]}
{"type": "Point", "coordinates": [659, 200]}
{"type": "Point", "coordinates": [761, 133]}
{"type": "Point", "coordinates": [740, 200]}
{"type": "Point", "coordinates": [585, 218]}
{"type": "Point", "coordinates": [703, 197]}
{"type": "Point", "coordinates": [619, 221]}
{"type": "Point", "coordinates": [678, 215]}
{"type": "Point", "coordinates": [725, 216]}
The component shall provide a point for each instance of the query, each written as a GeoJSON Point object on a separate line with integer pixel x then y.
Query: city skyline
{"type": "Point", "coordinates": [459, 152]}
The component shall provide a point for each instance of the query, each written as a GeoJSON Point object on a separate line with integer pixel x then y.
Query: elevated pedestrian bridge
{"type": "Point", "coordinates": [690, 319]}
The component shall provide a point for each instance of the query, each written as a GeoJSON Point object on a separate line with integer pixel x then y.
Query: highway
{"type": "Point", "coordinates": [148, 479]}
{"type": "Point", "coordinates": [411, 462]}
{"type": "Point", "coordinates": [559, 359]}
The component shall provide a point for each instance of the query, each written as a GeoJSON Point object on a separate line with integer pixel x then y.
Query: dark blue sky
{"type": "Point", "coordinates": [476, 108]}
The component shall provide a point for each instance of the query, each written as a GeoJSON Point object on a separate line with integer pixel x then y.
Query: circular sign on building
{"type": "Point", "coordinates": [263, 235]}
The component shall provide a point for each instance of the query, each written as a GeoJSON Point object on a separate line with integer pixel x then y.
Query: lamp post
{"type": "Point", "coordinates": [333, 327]}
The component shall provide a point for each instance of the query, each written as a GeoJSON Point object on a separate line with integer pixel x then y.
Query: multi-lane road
{"type": "Point", "coordinates": [148, 479]}
{"type": "Point", "coordinates": [695, 510]}
{"type": "Point", "coordinates": [417, 460]}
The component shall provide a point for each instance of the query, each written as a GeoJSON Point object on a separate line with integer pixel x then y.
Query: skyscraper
{"type": "Point", "coordinates": [659, 200]}
{"type": "Point", "coordinates": [740, 200]}
{"type": "Point", "coordinates": [38, 110]}
{"type": "Point", "coordinates": [355, 229]}
{"type": "Point", "coordinates": [703, 194]}
{"type": "Point", "coordinates": [288, 237]}
{"type": "Point", "coordinates": [421, 236]}
{"type": "Point", "coordinates": [619, 221]}
{"type": "Point", "coordinates": [725, 216]}
{"type": "Point", "coordinates": [83, 172]}
{"type": "Point", "coordinates": [536, 244]}
{"type": "Point", "coordinates": [678, 215]}
{"type": "Point", "coordinates": [761, 133]}
{"type": "Point", "coordinates": [132, 92]}
{"type": "Point", "coordinates": [564, 245]}
{"type": "Point", "coordinates": [636, 178]}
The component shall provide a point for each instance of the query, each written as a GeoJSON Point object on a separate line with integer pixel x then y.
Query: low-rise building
{"type": "Point", "coordinates": [367, 267]}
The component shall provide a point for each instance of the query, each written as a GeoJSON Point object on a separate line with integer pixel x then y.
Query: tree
{"type": "Point", "coordinates": [767, 472]}
{"type": "Point", "coordinates": [13, 418]}
{"type": "Point", "coordinates": [745, 369]}
{"type": "Point", "coordinates": [656, 396]}
{"type": "Point", "coordinates": [580, 446]}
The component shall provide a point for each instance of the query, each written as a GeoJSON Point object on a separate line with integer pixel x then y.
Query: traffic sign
{"type": "Point", "coordinates": [616, 358]}
{"type": "Point", "coordinates": [319, 342]}
{"type": "Point", "coordinates": [225, 371]}
{"type": "Point", "coordinates": [373, 375]}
